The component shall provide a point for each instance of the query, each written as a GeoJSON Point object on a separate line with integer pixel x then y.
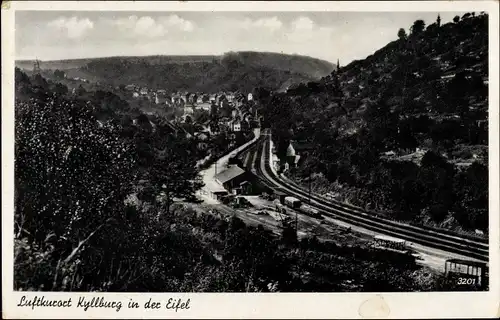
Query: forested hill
{"type": "Point", "coordinates": [231, 71]}
{"type": "Point", "coordinates": [403, 131]}
{"type": "Point", "coordinates": [427, 71]}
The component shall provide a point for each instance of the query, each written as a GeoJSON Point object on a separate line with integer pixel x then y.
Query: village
{"type": "Point", "coordinates": [214, 113]}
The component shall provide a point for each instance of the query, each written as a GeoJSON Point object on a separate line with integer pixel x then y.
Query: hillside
{"type": "Point", "coordinates": [97, 209]}
{"type": "Point", "coordinates": [404, 131]}
{"type": "Point", "coordinates": [231, 71]}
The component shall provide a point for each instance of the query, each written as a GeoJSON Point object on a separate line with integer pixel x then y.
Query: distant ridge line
{"type": "Point", "coordinates": [175, 56]}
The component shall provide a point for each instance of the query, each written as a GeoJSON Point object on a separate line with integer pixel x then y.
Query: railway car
{"type": "Point", "coordinates": [390, 243]}
{"type": "Point", "coordinates": [292, 202]}
{"type": "Point", "coordinates": [281, 196]}
{"type": "Point", "coordinates": [466, 272]}
{"type": "Point", "coordinates": [310, 211]}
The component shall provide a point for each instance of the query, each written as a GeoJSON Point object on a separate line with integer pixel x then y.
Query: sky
{"type": "Point", "coordinates": [346, 36]}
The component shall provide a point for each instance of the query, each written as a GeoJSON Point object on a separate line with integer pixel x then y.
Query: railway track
{"type": "Point", "coordinates": [446, 241]}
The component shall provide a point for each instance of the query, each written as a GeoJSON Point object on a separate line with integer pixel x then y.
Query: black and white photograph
{"type": "Point", "coordinates": [251, 151]}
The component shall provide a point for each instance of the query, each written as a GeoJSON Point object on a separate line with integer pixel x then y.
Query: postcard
{"type": "Point", "coordinates": [250, 159]}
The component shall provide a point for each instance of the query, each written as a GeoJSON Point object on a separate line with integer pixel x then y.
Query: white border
{"type": "Point", "coordinates": [282, 305]}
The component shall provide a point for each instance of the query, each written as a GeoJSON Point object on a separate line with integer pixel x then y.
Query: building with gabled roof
{"type": "Point", "coordinates": [236, 180]}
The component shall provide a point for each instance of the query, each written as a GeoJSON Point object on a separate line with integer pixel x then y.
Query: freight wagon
{"type": "Point", "coordinates": [310, 211]}
{"type": "Point", "coordinates": [292, 202]}
{"type": "Point", "coordinates": [296, 204]}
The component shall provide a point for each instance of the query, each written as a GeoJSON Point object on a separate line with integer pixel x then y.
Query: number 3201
{"type": "Point", "coordinates": [468, 281]}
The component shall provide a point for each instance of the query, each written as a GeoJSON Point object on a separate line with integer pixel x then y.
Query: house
{"type": "Point", "coordinates": [204, 106]}
{"type": "Point", "coordinates": [158, 99]}
{"type": "Point", "coordinates": [250, 97]}
{"type": "Point", "coordinates": [235, 113]}
{"type": "Point", "coordinates": [130, 87]}
{"type": "Point", "coordinates": [144, 91]}
{"type": "Point", "coordinates": [236, 126]}
{"type": "Point", "coordinates": [236, 180]}
{"type": "Point", "coordinates": [161, 92]}
{"type": "Point", "coordinates": [135, 94]}
{"type": "Point", "coordinates": [188, 110]}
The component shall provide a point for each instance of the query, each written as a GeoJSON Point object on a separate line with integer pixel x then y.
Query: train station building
{"type": "Point", "coordinates": [236, 180]}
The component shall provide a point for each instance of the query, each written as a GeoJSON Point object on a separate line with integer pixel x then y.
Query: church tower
{"type": "Point", "coordinates": [36, 67]}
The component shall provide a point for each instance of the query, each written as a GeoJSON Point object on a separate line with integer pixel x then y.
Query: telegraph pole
{"type": "Point", "coordinates": [36, 67]}
{"type": "Point", "coordinates": [296, 225]}
{"type": "Point", "coordinates": [309, 184]}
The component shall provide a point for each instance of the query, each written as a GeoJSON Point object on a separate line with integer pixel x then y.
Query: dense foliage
{"type": "Point", "coordinates": [367, 121]}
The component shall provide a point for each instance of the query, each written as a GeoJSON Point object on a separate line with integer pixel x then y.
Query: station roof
{"type": "Point", "coordinates": [219, 192]}
{"type": "Point", "coordinates": [229, 174]}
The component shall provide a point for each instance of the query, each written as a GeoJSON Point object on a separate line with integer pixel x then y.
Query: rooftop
{"type": "Point", "coordinates": [229, 174]}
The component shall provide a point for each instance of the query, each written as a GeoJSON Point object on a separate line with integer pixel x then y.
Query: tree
{"type": "Point", "coordinates": [472, 197]}
{"type": "Point", "coordinates": [466, 16]}
{"type": "Point", "coordinates": [72, 177]}
{"type": "Point", "coordinates": [402, 34]}
{"type": "Point", "coordinates": [436, 176]}
{"type": "Point", "coordinates": [58, 74]}
{"type": "Point", "coordinates": [60, 89]}
{"type": "Point", "coordinates": [456, 19]}
{"type": "Point", "coordinates": [81, 91]}
{"type": "Point", "coordinates": [171, 169]}
{"type": "Point", "coordinates": [418, 27]}
{"type": "Point", "coordinates": [438, 21]}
